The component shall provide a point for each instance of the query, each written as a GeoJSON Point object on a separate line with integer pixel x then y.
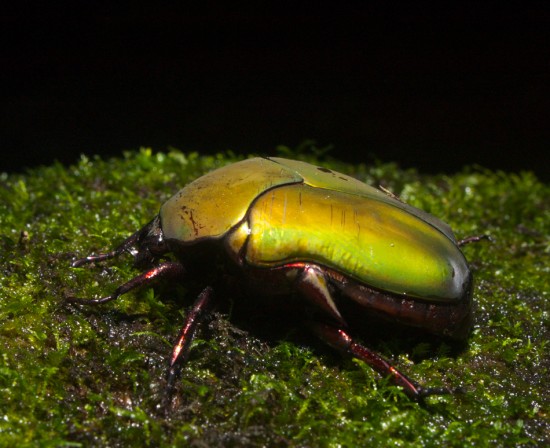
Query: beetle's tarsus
{"type": "Point", "coordinates": [473, 239]}
{"type": "Point", "coordinates": [93, 259]}
{"type": "Point", "coordinates": [124, 247]}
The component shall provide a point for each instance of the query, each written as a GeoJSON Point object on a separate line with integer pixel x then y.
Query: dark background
{"type": "Point", "coordinates": [431, 87]}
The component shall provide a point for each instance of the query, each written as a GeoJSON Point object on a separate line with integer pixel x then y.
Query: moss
{"type": "Point", "coordinates": [73, 376]}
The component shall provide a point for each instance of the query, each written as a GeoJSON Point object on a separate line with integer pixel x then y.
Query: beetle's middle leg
{"type": "Point", "coordinates": [183, 343]}
{"type": "Point", "coordinates": [187, 332]}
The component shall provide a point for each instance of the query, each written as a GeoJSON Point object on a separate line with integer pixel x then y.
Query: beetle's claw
{"type": "Point", "coordinates": [459, 390]}
{"type": "Point", "coordinates": [81, 301]}
{"type": "Point", "coordinates": [80, 262]}
{"type": "Point", "coordinates": [423, 392]}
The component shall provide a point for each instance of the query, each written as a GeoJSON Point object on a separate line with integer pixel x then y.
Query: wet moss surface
{"type": "Point", "coordinates": [95, 376]}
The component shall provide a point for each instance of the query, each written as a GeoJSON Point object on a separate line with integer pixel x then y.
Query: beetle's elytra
{"type": "Point", "coordinates": [312, 232]}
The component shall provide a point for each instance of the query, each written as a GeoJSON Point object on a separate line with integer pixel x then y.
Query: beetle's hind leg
{"type": "Point", "coordinates": [312, 283]}
{"type": "Point", "coordinates": [343, 342]}
{"type": "Point", "coordinates": [313, 286]}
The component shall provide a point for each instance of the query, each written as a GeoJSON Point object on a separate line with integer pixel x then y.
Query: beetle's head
{"type": "Point", "coordinates": [148, 245]}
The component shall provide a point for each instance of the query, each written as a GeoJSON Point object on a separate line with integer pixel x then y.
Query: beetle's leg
{"type": "Point", "coordinates": [340, 340]}
{"type": "Point", "coordinates": [472, 239]}
{"type": "Point", "coordinates": [187, 333]}
{"type": "Point", "coordinates": [312, 283]}
{"type": "Point", "coordinates": [125, 246]}
{"type": "Point", "coordinates": [144, 245]}
{"type": "Point", "coordinates": [168, 270]}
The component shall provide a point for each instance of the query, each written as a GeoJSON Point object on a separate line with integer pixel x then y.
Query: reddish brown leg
{"type": "Point", "coordinates": [168, 270]}
{"type": "Point", "coordinates": [181, 348]}
{"type": "Point", "coordinates": [340, 340]}
{"type": "Point", "coordinates": [187, 333]}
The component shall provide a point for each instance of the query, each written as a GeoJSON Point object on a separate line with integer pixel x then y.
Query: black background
{"type": "Point", "coordinates": [432, 87]}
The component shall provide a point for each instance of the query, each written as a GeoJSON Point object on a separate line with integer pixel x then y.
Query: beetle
{"type": "Point", "coordinates": [281, 227]}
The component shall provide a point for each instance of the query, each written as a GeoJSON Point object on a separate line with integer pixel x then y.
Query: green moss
{"type": "Point", "coordinates": [72, 376]}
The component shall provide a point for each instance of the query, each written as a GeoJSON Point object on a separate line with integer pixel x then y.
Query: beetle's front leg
{"type": "Point", "coordinates": [342, 341]}
{"type": "Point", "coordinates": [168, 270]}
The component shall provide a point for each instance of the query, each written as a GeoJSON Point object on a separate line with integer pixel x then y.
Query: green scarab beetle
{"type": "Point", "coordinates": [279, 227]}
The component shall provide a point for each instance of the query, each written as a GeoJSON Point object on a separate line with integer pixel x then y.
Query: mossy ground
{"type": "Point", "coordinates": [74, 376]}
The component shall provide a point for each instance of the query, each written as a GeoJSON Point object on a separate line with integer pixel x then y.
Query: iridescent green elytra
{"type": "Point", "coordinates": [283, 211]}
